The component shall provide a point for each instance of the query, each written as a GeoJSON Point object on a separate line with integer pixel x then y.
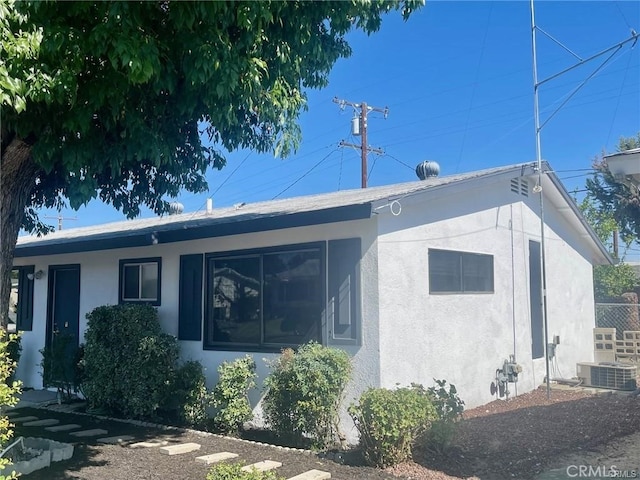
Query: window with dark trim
{"type": "Point", "coordinates": [21, 299]}
{"type": "Point", "coordinates": [460, 272]}
{"type": "Point", "coordinates": [140, 280]}
{"type": "Point", "coordinates": [265, 299]}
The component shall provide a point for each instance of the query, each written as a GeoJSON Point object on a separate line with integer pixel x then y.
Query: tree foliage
{"type": "Point", "coordinates": [132, 102]}
{"type": "Point", "coordinates": [613, 209]}
{"type": "Point", "coordinates": [615, 200]}
{"type": "Point", "coordinates": [112, 97]}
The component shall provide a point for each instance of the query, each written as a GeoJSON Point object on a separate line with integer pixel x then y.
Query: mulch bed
{"type": "Point", "coordinates": [93, 461]}
{"type": "Point", "coordinates": [502, 440]}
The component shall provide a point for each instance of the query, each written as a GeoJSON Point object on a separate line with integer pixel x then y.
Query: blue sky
{"type": "Point", "coordinates": [457, 78]}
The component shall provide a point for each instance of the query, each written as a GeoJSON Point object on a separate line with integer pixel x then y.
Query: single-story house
{"type": "Point", "coordinates": [437, 278]}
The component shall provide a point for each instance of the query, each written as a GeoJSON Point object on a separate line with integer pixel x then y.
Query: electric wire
{"type": "Point", "coordinates": [624, 17]}
{"type": "Point", "coordinates": [340, 172]}
{"type": "Point", "coordinates": [474, 89]}
{"type": "Point", "coordinates": [615, 111]}
{"type": "Point", "coordinates": [305, 174]}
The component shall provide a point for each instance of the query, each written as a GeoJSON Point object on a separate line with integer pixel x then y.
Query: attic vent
{"type": "Point", "coordinates": [520, 186]}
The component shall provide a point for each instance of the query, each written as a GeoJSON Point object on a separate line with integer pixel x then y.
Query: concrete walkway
{"type": "Point", "coordinates": [37, 398]}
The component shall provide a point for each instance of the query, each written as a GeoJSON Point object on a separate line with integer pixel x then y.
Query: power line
{"type": "Point", "coordinates": [304, 175]}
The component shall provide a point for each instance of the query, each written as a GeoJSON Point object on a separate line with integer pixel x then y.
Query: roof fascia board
{"type": "Point", "coordinates": [225, 227]}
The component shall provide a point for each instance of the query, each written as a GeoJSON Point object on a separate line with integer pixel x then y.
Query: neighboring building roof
{"type": "Point", "coordinates": [263, 216]}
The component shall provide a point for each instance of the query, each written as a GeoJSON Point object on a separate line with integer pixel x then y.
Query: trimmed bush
{"type": "Point", "coordinates": [449, 408]}
{"type": "Point", "coordinates": [304, 392]}
{"type": "Point", "coordinates": [389, 421]}
{"type": "Point", "coordinates": [231, 394]}
{"type": "Point", "coordinates": [8, 393]}
{"type": "Point", "coordinates": [188, 396]}
{"type": "Point", "coordinates": [60, 365]}
{"type": "Point", "coordinates": [128, 362]}
{"type": "Point", "coordinates": [233, 471]}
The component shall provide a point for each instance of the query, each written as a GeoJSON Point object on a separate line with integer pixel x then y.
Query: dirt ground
{"type": "Point", "coordinates": [527, 437]}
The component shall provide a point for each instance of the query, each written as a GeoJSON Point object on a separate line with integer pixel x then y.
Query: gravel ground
{"type": "Point", "coordinates": [515, 439]}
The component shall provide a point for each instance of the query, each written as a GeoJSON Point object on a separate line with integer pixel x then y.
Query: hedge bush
{"type": "Point", "coordinates": [188, 396]}
{"type": "Point", "coordinates": [389, 421]}
{"type": "Point", "coordinates": [304, 392]}
{"type": "Point", "coordinates": [449, 408]}
{"type": "Point", "coordinates": [231, 394]}
{"type": "Point", "coordinates": [128, 362]}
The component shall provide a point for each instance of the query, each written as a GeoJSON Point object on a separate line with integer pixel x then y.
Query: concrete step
{"type": "Point", "coordinates": [262, 466]}
{"type": "Point", "coordinates": [63, 428]}
{"type": "Point", "coordinates": [115, 440]}
{"type": "Point", "coordinates": [149, 444]}
{"type": "Point", "coordinates": [180, 448]}
{"type": "Point", "coordinates": [47, 422]}
{"type": "Point", "coordinates": [216, 457]}
{"type": "Point", "coordinates": [23, 419]}
{"type": "Point", "coordinates": [312, 475]}
{"type": "Point", "coordinates": [94, 432]}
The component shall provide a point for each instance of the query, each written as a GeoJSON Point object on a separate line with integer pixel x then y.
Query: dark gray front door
{"type": "Point", "coordinates": [63, 316]}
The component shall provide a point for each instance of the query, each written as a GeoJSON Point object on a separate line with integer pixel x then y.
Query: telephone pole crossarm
{"type": "Point", "coordinates": [364, 148]}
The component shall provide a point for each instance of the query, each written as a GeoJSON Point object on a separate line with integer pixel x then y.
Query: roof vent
{"type": "Point", "coordinates": [175, 208]}
{"type": "Point", "coordinates": [427, 169]}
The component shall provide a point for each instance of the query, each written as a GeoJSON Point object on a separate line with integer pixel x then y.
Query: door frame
{"type": "Point", "coordinates": [50, 298]}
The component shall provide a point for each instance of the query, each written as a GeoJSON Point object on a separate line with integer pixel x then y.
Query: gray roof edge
{"type": "Point", "coordinates": [574, 207]}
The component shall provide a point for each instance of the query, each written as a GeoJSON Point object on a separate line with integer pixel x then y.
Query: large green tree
{"type": "Point", "coordinates": [112, 99]}
{"type": "Point", "coordinates": [613, 209]}
{"type": "Point", "coordinates": [614, 199]}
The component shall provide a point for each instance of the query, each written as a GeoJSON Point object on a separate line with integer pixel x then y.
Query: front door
{"type": "Point", "coordinates": [63, 324]}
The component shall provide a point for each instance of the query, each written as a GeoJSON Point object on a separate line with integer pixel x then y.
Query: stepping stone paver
{"type": "Point", "coordinates": [24, 419]}
{"type": "Point", "coordinates": [215, 457]}
{"type": "Point", "coordinates": [94, 432]}
{"type": "Point", "coordinates": [115, 440]}
{"type": "Point", "coordinates": [312, 475]}
{"type": "Point", "coordinates": [149, 444]}
{"type": "Point", "coordinates": [262, 466]}
{"type": "Point", "coordinates": [47, 422]}
{"type": "Point", "coordinates": [180, 448]}
{"type": "Point", "coordinates": [63, 428]}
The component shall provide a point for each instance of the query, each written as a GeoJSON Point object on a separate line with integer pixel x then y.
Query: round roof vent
{"type": "Point", "coordinates": [175, 208]}
{"type": "Point", "coordinates": [427, 169]}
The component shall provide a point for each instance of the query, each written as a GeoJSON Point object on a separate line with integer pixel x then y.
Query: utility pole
{"type": "Point", "coordinates": [60, 218]}
{"type": "Point", "coordinates": [362, 130]}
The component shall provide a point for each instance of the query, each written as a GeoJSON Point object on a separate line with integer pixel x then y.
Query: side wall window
{"type": "Point", "coordinates": [21, 301]}
{"type": "Point", "coordinates": [140, 280]}
{"type": "Point", "coordinates": [460, 272]}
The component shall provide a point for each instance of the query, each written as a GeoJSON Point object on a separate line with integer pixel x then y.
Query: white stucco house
{"type": "Point", "coordinates": [429, 279]}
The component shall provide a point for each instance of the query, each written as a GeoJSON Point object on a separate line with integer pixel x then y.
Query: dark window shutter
{"type": "Point", "coordinates": [190, 301]}
{"type": "Point", "coordinates": [24, 315]}
{"type": "Point", "coordinates": [344, 291]}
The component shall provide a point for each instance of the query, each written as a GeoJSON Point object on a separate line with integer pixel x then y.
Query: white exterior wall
{"type": "Point", "coordinates": [464, 338]}
{"type": "Point", "coordinates": [99, 286]}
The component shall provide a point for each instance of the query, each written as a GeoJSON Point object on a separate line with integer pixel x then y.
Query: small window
{"type": "Point", "coordinates": [21, 299]}
{"type": "Point", "coordinates": [460, 272]}
{"type": "Point", "coordinates": [140, 280]}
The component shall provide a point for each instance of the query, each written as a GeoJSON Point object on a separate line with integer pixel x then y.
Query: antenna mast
{"type": "Point", "coordinates": [538, 127]}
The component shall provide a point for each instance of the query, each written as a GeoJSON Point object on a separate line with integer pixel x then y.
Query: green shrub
{"type": "Point", "coordinates": [60, 365]}
{"type": "Point", "coordinates": [449, 408]}
{"type": "Point", "coordinates": [231, 393]}
{"type": "Point", "coordinates": [188, 394]}
{"type": "Point", "coordinates": [233, 471]}
{"type": "Point", "coordinates": [128, 362]}
{"type": "Point", "coordinates": [389, 421]}
{"type": "Point", "coordinates": [304, 391]}
{"type": "Point", "coordinates": [14, 351]}
{"type": "Point", "coordinates": [8, 393]}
